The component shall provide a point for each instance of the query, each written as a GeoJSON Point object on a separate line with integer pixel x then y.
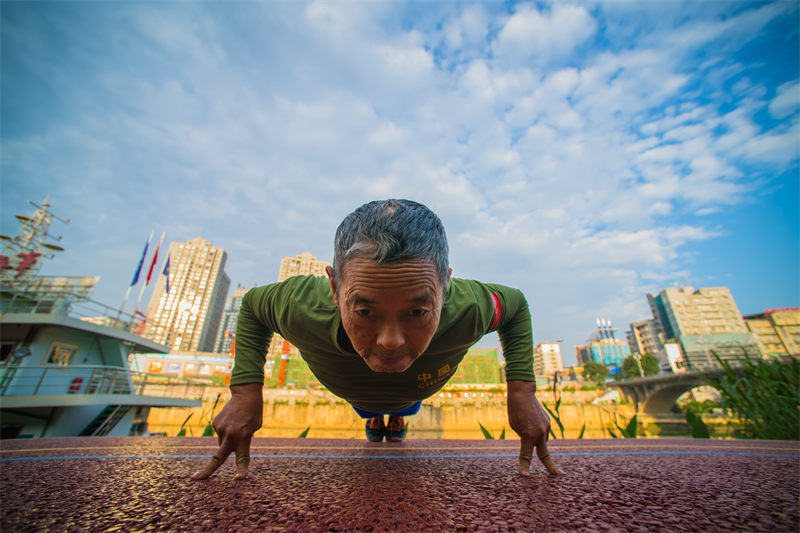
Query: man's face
{"type": "Point", "coordinates": [389, 312]}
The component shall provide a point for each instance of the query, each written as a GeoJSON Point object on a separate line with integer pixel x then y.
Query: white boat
{"type": "Point", "coordinates": [64, 359]}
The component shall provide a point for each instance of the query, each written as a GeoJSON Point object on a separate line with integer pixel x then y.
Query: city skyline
{"type": "Point", "coordinates": [587, 154]}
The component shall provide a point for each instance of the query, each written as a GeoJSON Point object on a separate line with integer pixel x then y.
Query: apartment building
{"type": "Point", "coordinates": [186, 306]}
{"type": "Point", "coordinates": [705, 322]}
{"type": "Point", "coordinates": [777, 331]}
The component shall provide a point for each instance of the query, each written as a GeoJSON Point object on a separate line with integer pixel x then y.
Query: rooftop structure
{"type": "Point", "coordinates": [604, 347]}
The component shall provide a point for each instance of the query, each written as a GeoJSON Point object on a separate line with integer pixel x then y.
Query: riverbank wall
{"type": "Point", "coordinates": [287, 413]}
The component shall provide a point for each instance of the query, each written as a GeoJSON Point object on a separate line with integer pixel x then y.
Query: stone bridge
{"type": "Point", "coordinates": [656, 395]}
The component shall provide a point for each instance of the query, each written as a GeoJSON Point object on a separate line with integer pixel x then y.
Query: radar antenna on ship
{"type": "Point", "coordinates": [21, 253]}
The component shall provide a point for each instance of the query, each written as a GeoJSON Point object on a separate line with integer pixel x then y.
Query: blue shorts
{"type": "Point", "coordinates": [408, 411]}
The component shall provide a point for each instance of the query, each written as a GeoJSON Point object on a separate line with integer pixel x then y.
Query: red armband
{"type": "Point", "coordinates": [498, 309]}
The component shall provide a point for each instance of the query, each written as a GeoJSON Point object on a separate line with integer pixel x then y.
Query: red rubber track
{"type": "Point", "coordinates": [142, 484]}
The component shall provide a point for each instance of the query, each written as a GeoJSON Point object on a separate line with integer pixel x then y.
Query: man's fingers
{"type": "Point", "coordinates": [242, 459]}
{"type": "Point", "coordinates": [525, 456]}
{"type": "Point", "coordinates": [214, 463]}
{"type": "Point", "coordinates": [544, 456]}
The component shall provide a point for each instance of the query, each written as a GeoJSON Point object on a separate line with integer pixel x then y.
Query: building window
{"type": "Point", "coordinates": [156, 366]}
{"type": "Point", "coordinates": [61, 354]}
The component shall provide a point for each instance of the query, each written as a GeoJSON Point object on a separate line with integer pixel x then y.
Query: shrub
{"type": "Point", "coordinates": [764, 393]}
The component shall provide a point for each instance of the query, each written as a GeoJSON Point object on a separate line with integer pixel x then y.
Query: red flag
{"type": "Point", "coordinates": [153, 264]}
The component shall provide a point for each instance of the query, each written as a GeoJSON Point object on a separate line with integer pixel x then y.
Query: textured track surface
{"type": "Point", "coordinates": [141, 484]}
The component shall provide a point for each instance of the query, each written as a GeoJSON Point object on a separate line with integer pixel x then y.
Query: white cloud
{"type": "Point", "coordinates": [468, 29]}
{"type": "Point", "coordinates": [576, 173]}
{"type": "Point", "coordinates": [537, 35]}
{"type": "Point", "coordinates": [786, 101]}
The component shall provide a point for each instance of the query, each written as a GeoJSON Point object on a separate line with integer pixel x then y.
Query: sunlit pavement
{"type": "Point", "coordinates": [142, 484]}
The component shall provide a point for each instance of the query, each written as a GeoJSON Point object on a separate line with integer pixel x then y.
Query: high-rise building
{"type": "Point", "coordinates": [547, 359]}
{"type": "Point", "coordinates": [645, 337]}
{"type": "Point", "coordinates": [777, 331]}
{"type": "Point", "coordinates": [604, 347]}
{"type": "Point", "coordinates": [186, 307]}
{"type": "Point", "coordinates": [301, 265]}
{"type": "Point", "coordinates": [227, 328]}
{"type": "Point", "coordinates": [705, 322]}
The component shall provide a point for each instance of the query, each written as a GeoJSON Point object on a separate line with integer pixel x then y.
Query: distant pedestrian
{"type": "Point", "coordinates": [386, 330]}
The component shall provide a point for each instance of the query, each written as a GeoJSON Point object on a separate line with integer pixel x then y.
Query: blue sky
{"type": "Point", "coordinates": [586, 153]}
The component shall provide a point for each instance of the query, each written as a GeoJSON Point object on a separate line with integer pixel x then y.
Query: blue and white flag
{"type": "Point", "coordinates": [166, 273]}
{"type": "Point", "coordinates": [141, 262]}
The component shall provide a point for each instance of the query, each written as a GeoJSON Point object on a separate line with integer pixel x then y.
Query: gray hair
{"type": "Point", "coordinates": [386, 231]}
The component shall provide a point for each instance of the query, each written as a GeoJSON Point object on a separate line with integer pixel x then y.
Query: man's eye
{"type": "Point", "coordinates": [364, 312]}
{"type": "Point", "coordinates": [419, 312]}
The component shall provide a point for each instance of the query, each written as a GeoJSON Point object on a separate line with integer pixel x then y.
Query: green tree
{"type": "Point", "coordinates": [630, 366]}
{"type": "Point", "coordinates": [594, 371]}
{"type": "Point", "coordinates": [650, 364]}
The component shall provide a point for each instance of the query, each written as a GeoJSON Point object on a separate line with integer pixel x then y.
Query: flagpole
{"type": "Point", "coordinates": [150, 272]}
{"type": "Point", "coordinates": [136, 275]}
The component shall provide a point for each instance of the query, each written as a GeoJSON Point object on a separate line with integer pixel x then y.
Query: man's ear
{"type": "Point", "coordinates": [329, 271]}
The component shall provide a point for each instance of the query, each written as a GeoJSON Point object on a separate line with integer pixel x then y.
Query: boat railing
{"type": "Point", "coordinates": [68, 302]}
{"type": "Point", "coordinates": [20, 380]}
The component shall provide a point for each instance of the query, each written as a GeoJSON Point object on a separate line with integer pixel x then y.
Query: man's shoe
{"type": "Point", "coordinates": [395, 429]}
{"type": "Point", "coordinates": [376, 429]}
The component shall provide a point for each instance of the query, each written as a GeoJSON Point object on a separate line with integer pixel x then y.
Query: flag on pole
{"type": "Point", "coordinates": [141, 261]}
{"type": "Point", "coordinates": [149, 272]}
{"type": "Point", "coordinates": [166, 274]}
{"type": "Point", "coordinates": [153, 264]}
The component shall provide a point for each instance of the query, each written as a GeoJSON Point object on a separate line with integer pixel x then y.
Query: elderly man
{"type": "Point", "coordinates": [385, 331]}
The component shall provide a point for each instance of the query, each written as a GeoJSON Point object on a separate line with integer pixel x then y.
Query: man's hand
{"type": "Point", "coordinates": [235, 426]}
{"type": "Point", "coordinates": [530, 421]}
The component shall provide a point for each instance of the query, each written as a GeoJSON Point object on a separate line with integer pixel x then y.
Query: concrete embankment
{"type": "Point", "coordinates": [448, 415]}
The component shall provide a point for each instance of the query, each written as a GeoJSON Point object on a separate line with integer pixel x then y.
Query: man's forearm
{"type": "Point", "coordinates": [516, 335]}
{"type": "Point", "coordinates": [252, 340]}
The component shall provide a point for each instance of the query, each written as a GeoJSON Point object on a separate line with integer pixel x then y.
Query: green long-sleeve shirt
{"type": "Point", "coordinates": [302, 311]}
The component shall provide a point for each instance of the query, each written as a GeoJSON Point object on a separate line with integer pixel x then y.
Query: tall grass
{"type": "Point", "coordinates": [182, 431]}
{"type": "Point", "coordinates": [556, 416]}
{"type": "Point", "coordinates": [627, 432]}
{"type": "Point", "coordinates": [488, 436]}
{"type": "Point", "coordinates": [764, 394]}
{"type": "Point", "coordinates": [209, 429]}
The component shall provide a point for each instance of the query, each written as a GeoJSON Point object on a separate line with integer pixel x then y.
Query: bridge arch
{"type": "Point", "coordinates": [663, 399]}
{"type": "Point", "coordinates": [657, 394]}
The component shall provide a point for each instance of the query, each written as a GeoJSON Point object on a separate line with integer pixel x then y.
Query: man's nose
{"type": "Point", "coordinates": [391, 336]}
